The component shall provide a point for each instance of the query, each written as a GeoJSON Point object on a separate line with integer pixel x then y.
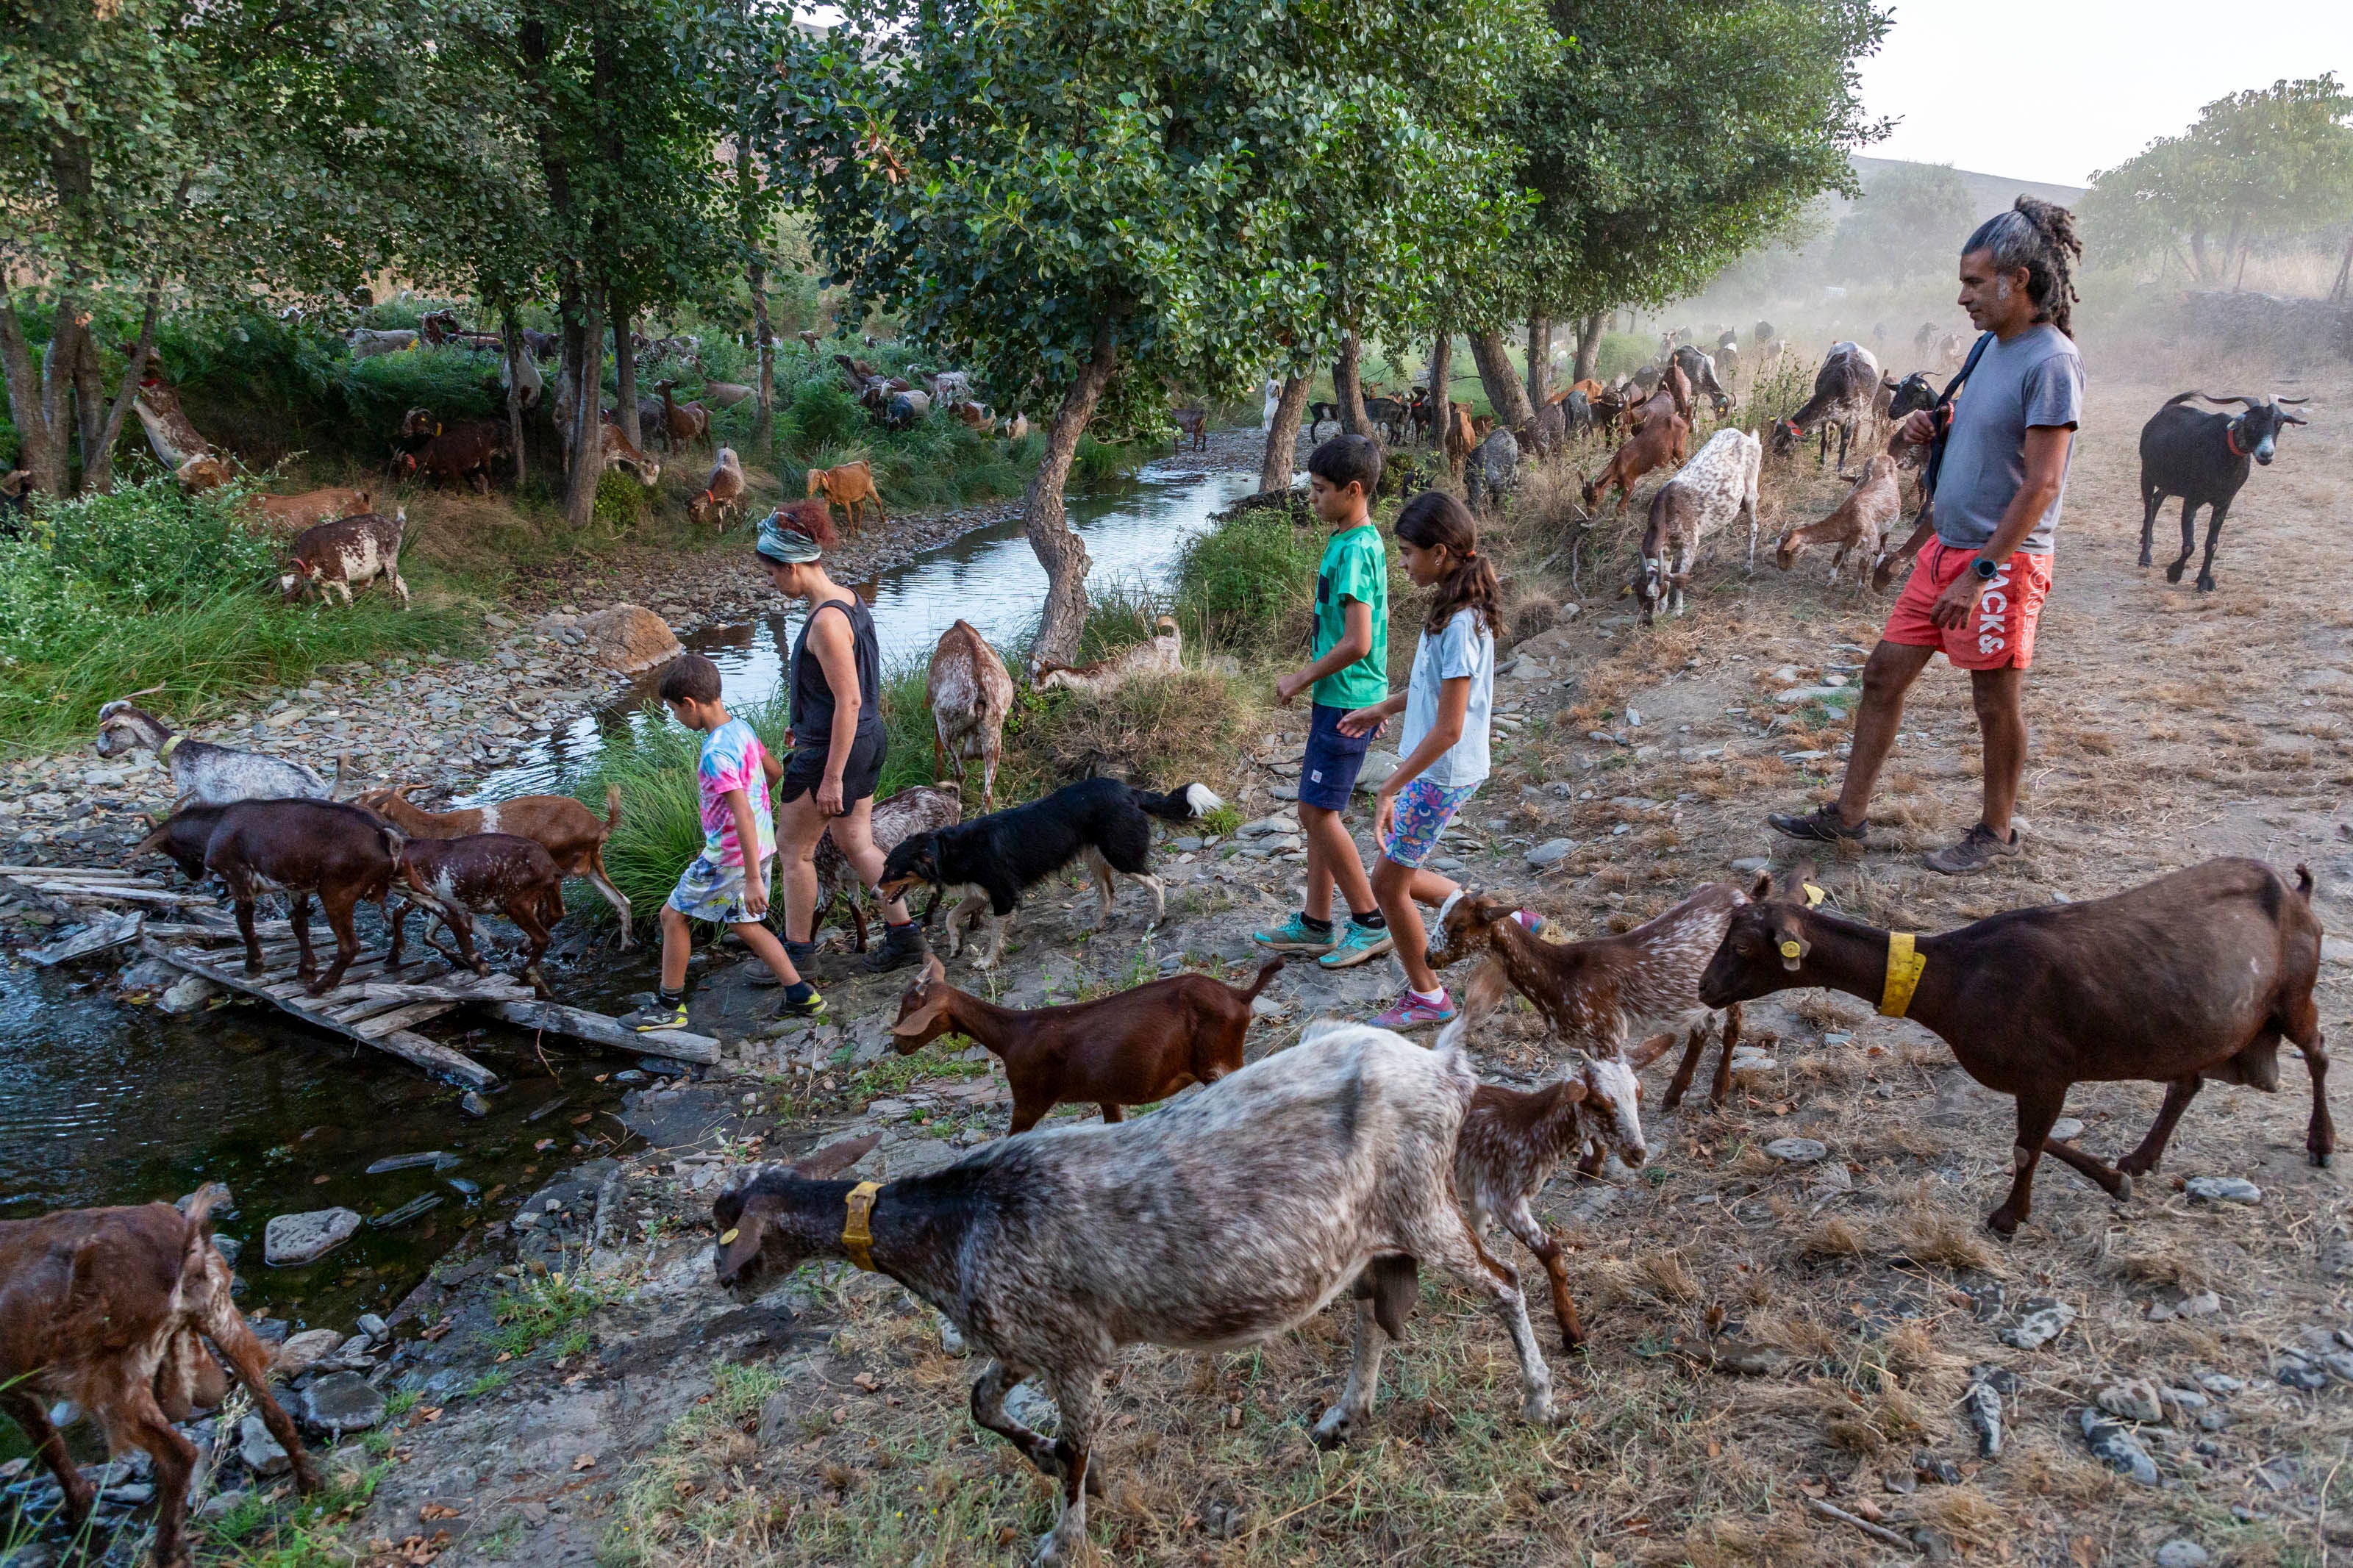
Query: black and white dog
{"type": "Point", "coordinates": [995, 859]}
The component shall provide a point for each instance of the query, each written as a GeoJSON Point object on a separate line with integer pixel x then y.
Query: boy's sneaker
{"type": "Point", "coordinates": [656, 1015]}
{"type": "Point", "coordinates": [1411, 1012]}
{"type": "Point", "coordinates": [811, 1006]}
{"type": "Point", "coordinates": [901, 946]}
{"type": "Point", "coordinates": [1357, 944]}
{"type": "Point", "coordinates": [1295, 935]}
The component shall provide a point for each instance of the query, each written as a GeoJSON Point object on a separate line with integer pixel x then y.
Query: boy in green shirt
{"type": "Point", "coordinates": [1350, 670]}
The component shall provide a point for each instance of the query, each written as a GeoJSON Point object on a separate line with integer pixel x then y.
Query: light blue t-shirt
{"type": "Point", "coordinates": [1466, 648]}
{"type": "Point", "coordinates": [2035, 379]}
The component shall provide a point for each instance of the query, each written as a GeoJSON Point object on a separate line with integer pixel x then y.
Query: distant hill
{"type": "Point", "coordinates": [1991, 193]}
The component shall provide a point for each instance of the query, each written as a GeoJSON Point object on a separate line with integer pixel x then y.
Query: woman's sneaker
{"type": "Point", "coordinates": [1295, 935]}
{"type": "Point", "coordinates": [1411, 1012]}
{"type": "Point", "coordinates": [1357, 944]}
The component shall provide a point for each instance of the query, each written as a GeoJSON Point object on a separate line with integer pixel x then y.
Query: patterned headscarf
{"type": "Point", "coordinates": [786, 546]}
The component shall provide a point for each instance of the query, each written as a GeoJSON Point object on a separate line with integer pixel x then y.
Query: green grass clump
{"type": "Point", "coordinates": [1248, 585]}
{"type": "Point", "coordinates": [538, 1310]}
{"type": "Point", "coordinates": [150, 587]}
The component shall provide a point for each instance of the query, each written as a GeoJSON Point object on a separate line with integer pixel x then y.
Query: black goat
{"type": "Point", "coordinates": [2203, 458]}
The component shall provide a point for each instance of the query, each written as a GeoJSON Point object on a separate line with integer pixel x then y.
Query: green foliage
{"type": "Point", "coordinates": [2264, 164]}
{"type": "Point", "coordinates": [1911, 220]}
{"type": "Point", "coordinates": [539, 1309]}
{"type": "Point", "coordinates": [1247, 586]}
{"type": "Point", "coordinates": [620, 499]}
{"type": "Point", "coordinates": [147, 587]}
{"type": "Point", "coordinates": [1665, 139]}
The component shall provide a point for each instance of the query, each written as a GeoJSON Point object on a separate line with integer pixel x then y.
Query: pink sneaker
{"type": "Point", "coordinates": [1530, 922]}
{"type": "Point", "coordinates": [1411, 1012]}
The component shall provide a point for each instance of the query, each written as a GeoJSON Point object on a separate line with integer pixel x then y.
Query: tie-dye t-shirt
{"type": "Point", "coordinates": [731, 760]}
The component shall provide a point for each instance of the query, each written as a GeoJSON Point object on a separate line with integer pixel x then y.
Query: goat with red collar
{"type": "Point", "coordinates": [2204, 458]}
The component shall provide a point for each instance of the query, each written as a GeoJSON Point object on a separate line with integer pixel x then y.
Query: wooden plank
{"type": "Point", "coordinates": [415, 1013]}
{"type": "Point", "coordinates": [104, 932]}
{"type": "Point", "coordinates": [116, 873]}
{"type": "Point", "coordinates": [599, 1029]}
{"type": "Point", "coordinates": [366, 1007]}
{"type": "Point", "coordinates": [430, 1056]}
{"type": "Point", "coordinates": [496, 989]}
{"type": "Point", "coordinates": [116, 893]}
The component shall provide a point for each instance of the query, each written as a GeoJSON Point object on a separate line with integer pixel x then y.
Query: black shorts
{"type": "Point", "coordinates": [805, 769]}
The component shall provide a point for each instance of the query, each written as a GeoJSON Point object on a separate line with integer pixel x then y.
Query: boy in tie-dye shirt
{"type": "Point", "coordinates": [732, 775]}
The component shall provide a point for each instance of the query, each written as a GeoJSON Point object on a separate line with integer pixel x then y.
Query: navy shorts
{"type": "Point", "coordinates": [1328, 774]}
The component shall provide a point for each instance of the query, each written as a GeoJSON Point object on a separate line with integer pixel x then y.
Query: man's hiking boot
{"type": "Point", "coordinates": [1819, 826]}
{"type": "Point", "coordinates": [1977, 850]}
{"type": "Point", "coordinates": [901, 946]}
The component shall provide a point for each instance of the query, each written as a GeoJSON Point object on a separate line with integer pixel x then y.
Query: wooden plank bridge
{"type": "Point", "coordinates": [371, 1006]}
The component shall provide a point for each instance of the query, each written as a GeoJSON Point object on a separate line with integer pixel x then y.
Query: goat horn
{"type": "Point", "coordinates": [149, 691]}
{"type": "Point", "coordinates": [2291, 400]}
{"type": "Point", "coordinates": [2233, 397]}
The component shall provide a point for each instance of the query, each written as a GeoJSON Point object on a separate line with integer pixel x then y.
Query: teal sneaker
{"type": "Point", "coordinates": [1295, 935]}
{"type": "Point", "coordinates": [1357, 944]}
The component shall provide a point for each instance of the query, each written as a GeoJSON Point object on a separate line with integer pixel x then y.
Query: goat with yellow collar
{"type": "Point", "coordinates": [2197, 975]}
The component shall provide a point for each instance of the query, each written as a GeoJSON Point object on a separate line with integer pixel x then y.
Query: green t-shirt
{"type": "Point", "coordinates": [1353, 568]}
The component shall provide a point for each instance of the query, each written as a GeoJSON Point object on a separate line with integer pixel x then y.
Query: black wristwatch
{"type": "Point", "coordinates": [1984, 568]}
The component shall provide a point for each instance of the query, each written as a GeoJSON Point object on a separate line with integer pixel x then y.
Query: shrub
{"type": "Point", "coordinates": [155, 545]}
{"type": "Point", "coordinates": [1247, 585]}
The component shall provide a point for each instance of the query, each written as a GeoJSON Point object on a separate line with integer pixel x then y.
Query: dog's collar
{"type": "Point", "coordinates": [164, 752]}
{"type": "Point", "coordinates": [857, 1237]}
{"type": "Point", "coordinates": [1905, 963]}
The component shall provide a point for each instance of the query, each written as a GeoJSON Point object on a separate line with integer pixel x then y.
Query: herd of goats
{"type": "Point", "coordinates": [1342, 1162]}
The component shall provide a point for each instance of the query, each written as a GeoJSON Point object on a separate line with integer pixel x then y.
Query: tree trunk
{"type": "Point", "coordinates": [37, 454]}
{"type": "Point", "coordinates": [1509, 399]}
{"type": "Point", "coordinates": [1539, 359]}
{"type": "Point", "coordinates": [513, 331]}
{"type": "Point", "coordinates": [2198, 254]}
{"type": "Point", "coordinates": [756, 276]}
{"type": "Point", "coordinates": [624, 367]}
{"type": "Point", "coordinates": [98, 474]}
{"type": "Point", "coordinates": [2343, 274]}
{"type": "Point", "coordinates": [1442, 379]}
{"type": "Point", "coordinates": [1588, 346]}
{"type": "Point", "coordinates": [584, 442]}
{"type": "Point", "coordinates": [1278, 469]}
{"type": "Point", "coordinates": [89, 411]}
{"type": "Point", "coordinates": [1348, 388]}
{"type": "Point", "coordinates": [1060, 551]}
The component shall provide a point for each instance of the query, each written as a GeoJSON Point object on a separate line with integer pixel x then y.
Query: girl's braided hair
{"type": "Point", "coordinates": [2039, 236]}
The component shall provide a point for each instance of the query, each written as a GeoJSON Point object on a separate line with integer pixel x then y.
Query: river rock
{"type": "Point", "coordinates": [342, 1401]}
{"type": "Point", "coordinates": [2181, 1554]}
{"type": "Point", "coordinates": [291, 1240]}
{"type": "Point", "coordinates": [2038, 1322]}
{"type": "Point", "coordinates": [1796, 1151]}
{"type": "Point", "coordinates": [304, 1350]}
{"type": "Point", "coordinates": [1551, 852]}
{"type": "Point", "coordinates": [260, 1450]}
{"type": "Point", "coordinates": [188, 994]}
{"type": "Point", "coordinates": [2116, 1447]}
{"type": "Point", "coordinates": [220, 1505]}
{"type": "Point", "coordinates": [2134, 1401]}
{"type": "Point", "coordinates": [2223, 1190]}
{"type": "Point", "coordinates": [629, 638]}
{"type": "Point", "coordinates": [1033, 1410]}
{"type": "Point", "coordinates": [473, 1103]}
{"type": "Point", "coordinates": [2066, 1130]}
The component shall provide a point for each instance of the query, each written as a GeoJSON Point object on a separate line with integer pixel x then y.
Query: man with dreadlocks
{"type": "Point", "coordinates": [1996, 476]}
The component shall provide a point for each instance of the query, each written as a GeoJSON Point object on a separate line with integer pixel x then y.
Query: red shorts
{"type": "Point", "coordinates": [1998, 634]}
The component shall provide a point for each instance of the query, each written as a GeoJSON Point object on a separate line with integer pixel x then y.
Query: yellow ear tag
{"type": "Point", "coordinates": [1814, 896]}
{"type": "Point", "coordinates": [729, 1239]}
{"type": "Point", "coordinates": [1788, 950]}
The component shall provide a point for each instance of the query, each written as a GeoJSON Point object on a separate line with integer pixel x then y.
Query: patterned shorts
{"type": "Point", "coordinates": [1422, 811]}
{"type": "Point", "coordinates": [715, 893]}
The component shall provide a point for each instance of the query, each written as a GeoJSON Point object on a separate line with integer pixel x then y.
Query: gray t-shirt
{"type": "Point", "coordinates": [2035, 379]}
{"type": "Point", "coordinates": [1465, 648]}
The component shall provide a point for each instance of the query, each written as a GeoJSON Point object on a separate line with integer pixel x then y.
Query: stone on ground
{"type": "Point", "coordinates": [291, 1240]}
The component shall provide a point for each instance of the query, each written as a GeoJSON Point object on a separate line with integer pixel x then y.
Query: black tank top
{"type": "Point", "coordinates": [813, 698]}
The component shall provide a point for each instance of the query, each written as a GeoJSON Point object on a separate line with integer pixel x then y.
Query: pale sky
{"type": "Point", "coordinates": [2052, 89]}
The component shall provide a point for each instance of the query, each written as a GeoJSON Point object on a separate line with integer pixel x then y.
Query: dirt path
{"type": "Point", "coordinates": [1857, 1292]}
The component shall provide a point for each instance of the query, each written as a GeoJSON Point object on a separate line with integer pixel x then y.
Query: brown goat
{"type": "Point", "coordinates": [1663, 436]}
{"type": "Point", "coordinates": [970, 692]}
{"type": "Point", "coordinates": [1594, 992]}
{"type": "Point", "coordinates": [339, 853]}
{"type": "Point", "coordinates": [110, 1308]}
{"type": "Point", "coordinates": [1132, 1048]}
{"type": "Point", "coordinates": [1193, 423]}
{"type": "Point", "coordinates": [1858, 525]}
{"type": "Point", "coordinates": [2195, 976]}
{"type": "Point", "coordinates": [573, 836]}
{"type": "Point", "coordinates": [294, 513]}
{"type": "Point", "coordinates": [681, 423]}
{"type": "Point", "coordinates": [723, 493]}
{"type": "Point", "coordinates": [849, 486]}
{"type": "Point", "coordinates": [453, 880]}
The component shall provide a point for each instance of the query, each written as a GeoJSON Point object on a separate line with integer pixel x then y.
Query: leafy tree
{"type": "Point", "coordinates": [2268, 163]}
{"type": "Point", "coordinates": [1095, 203]}
{"type": "Point", "coordinates": [1907, 223]}
{"type": "Point", "coordinates": [1665, 139]}
{"type": "Point", "coordinates": [155, 153]}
